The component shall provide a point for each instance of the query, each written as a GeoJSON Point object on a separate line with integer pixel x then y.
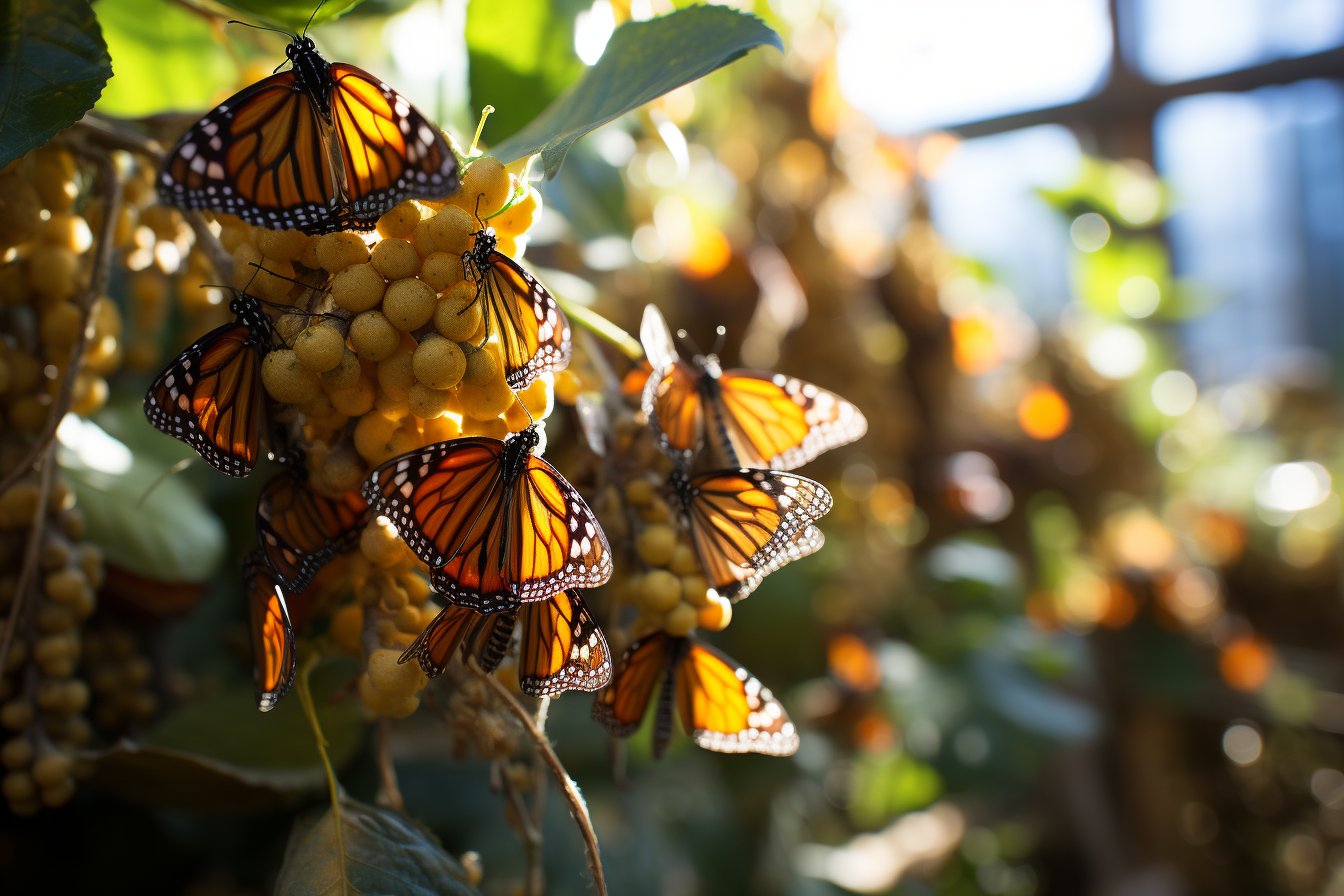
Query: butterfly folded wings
{"type": "Point", "coordinates": [320, 147]}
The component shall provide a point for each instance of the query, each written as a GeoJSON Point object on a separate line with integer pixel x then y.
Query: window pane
{"type": "Point", "coordinates": [1180, 39]}
{"type": "Point", "coordinates": [918, 64]}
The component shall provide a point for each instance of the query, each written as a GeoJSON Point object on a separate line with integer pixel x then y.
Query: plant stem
{"type": "Point", "coordinates": [46, 468]}
{"type": "Point", "coordinates": [387, 772]}
{"type": "Point", "coordinates": [577, 807]}
{"type": "Point", "coordinates": [333, 785]}
{"type": "Point", "coordinates": [604, 329]}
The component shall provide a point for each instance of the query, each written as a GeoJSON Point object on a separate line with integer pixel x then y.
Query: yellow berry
{"type": "Point", "coordinates": [519, 217]}
{"type": "Point", "coordinates": [20, 209]}
{"type": "Point", "coordinates": [51, 768]}
{"type": "Point", "coordinates": [567, 387]}
{"type": "Point", "coordinates": [60, 328]}
{"type": "Point", "coordinates": [715, 616]}
{"type": "Point", "coordinates": [67, 586]}
{"type": "Point", "coordinates": [338, 251]}
{"type": "Point", "coordinates": [439, 363]}
{"type": "Point", "coordinates": [58, 794]}
{"type": "Point", "coordinates": [485, 402]}
{"type": "Point", "coordinates": [539, 396]}
{"type": "Point", "coordinates": [680, 620]}
{"type": "Point", "coordinates": [355, 400]}
{"type": "Point", "coordinates": [286, 379]}
{"type": "Point", "coordinates": [656, 544]}
{"type": "Point", "coordinates": [282, 245]}
{"type": "Point", "coordinates": [425, 402]}
{"type": "Point", "coordinates": [347, 628]}
{"type": "Point", "coordinates": [395, 259]}
{"type": "Point", "coordinates": [69, 232]}
{"type": "Point", "coordinates": [17, 753]}
{"type": "Point", "coordinates": [400, 220]}
{"type": "Point", "coordinates": [695, 589]}
{"type": "Point", "coordinates": [639, 492]}
{"type": "Point", "coordinates": [437, 429]}
{"type": "Point", "coordinates": [53, 173]}
{"type": "Point", "coordinates": [344, 374]}
{"type": "Point", "coordinates": [358, 287]}
{"type": "Point", "coordinates": [373, 336]}
{"type": "Point", "coordinates": [485, 187]}
{"type": "Point", "coordinates": [18, 787]}
{"type": "Point", "coordinates": [409, 303]}
{"type": "Point", "coordinates": [373, 436]}
{"type": "Point", "coordinates": [396, 374]}
{"type": "Point", "coordinates": [53, 272]}
{"type": "Point", "coordinates": [449, 231]}
{"type": "Point", "coordinates": [16, 714]}
{"type": "Point", "coordinates": [441, 269]}
{"type": "Point", "coordinates": [683, 561]}
{"type": "Point", "coordinates": [659, 591]}
{"type": "Point", "coordinates": [320, 348]}
{"type": "Point", "coordinates": [390, 676]}
{"type": "Point", "coordinates": [380, 544]}
{"type": "Point", "coordinates": [458, 315]}
{"type": "Point", "coordinates": [482, 369]}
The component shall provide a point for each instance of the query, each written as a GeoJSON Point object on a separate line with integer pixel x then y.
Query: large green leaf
{"type": "Point", "coordinates": [291, 14]}
{"type": "Point", "coordinates": [150, 524]}
{"type": "Point", "coordinates": [166, 59]}
{"type": "Point", "coordinates": [53, 65]}
{"type": "Point", "coordinates": [642, 61]}
{"type": "Point", "coordinates": [520, 57]}
{"type": "Point", "coordinates": [383, 852]}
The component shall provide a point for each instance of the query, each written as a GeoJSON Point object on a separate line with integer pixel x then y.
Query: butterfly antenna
{"type": "Point", "coordinates": [686, 338]}
{"type": "Point", "coordinates": [309, 23]}
{"type": "Point", "coordinates": [262, 28]}
{"type": "Point", "coordinates": [158, 480]}
{"type": "Point", "coordinates": [720, 334]}
{"type": "Point", "coordinates": [530, 420]}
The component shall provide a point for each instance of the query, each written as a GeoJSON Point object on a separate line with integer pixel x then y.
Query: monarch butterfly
{"type": "Point", "coordinates": [272, 634]}
{"type": "Point", "coordinates": [211, 396]}
{"type": "Point", "coordinates": [496, 524]}
{"type": "Point", "coordinates": [319, 147]}
{"type": "Point", "coordinates": [299, 530]}
{"type": "Point", "coordinates": [562, 648]}
{"type": "Point", "coordinates": [722, 706]}
{"type": "Point", "coordinates": [753, 418]}
{"type": "Point", "coordinates": [745, 524]}
{"type": "Point", "coordinates": [533, 332]}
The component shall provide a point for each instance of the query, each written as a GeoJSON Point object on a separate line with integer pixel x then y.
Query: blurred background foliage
{"type": "Point", "coordinates": [1076, 626]}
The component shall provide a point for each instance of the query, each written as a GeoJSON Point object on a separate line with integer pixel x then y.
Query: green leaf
{"type": "Point", "coordinates": [166, 59]}
{"type": "Point", "coordinates": [378, 851]}
{"type": "Point", "coordinates": [219, 752]}
{"type": "Point", "coordinates": [291, 14]}
{"type": "Point", "coordinates": [520, 57]}
{"type": "Point", "coordinates": [642, 61]}
{"type": "Point", "coordinates": [149, 523]}
{"type": "Point", "coordinates": [53, 65]}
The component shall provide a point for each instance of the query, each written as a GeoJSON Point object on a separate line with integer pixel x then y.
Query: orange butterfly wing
{"type": "Point", "coordinates": [534, 334]}
{"type": "Point", "coordinates": [211, 396]}
{"type": "Point", "coordinates": [272, 635]}
{"type": "Point", "coordinates": [777, 421]}
{"type": "Point", "coordinates": [726, 709]}
{"type": "Point", "coordinates": [300, 531]}
{"type": "Point", "coordinates": [562, 647]}
{"type": "Point", "coordinates": [621, 707]}
{"type": "Point", "coordinates": [675, 409]}
{"type": "Point", "coordinates": [434, 647]}
{"type": "Point", "coordinates": [745, 524]}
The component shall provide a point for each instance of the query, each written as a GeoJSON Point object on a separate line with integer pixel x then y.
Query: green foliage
{"type": "Point", "coordinates": [642, 61]}
{"type": "Point", "coordinates": [167, 59]}
{"type": "Point", "coordinates": [888, 784]}
{"type": "Point", "coordinates": [375, 851]}
{"type": "Point", "coordinates": [521, 56]}
{"type": "Point", "coordinates": [291, 14]}
{"type": "Point", "coordinates": [218, 752]}
{"type": "Point", "coordinates": [53, 66]}
{"type": "Point", "coordinates": [156, 527]}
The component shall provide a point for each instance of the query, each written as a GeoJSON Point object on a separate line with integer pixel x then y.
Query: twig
{"type": "Point", "coordinates": [97, 286]}
{"type": "Point", "coordinates": [333, 785]}
{"type": "Point", "coordinates": [577, 807]}
{"type": "Point", "coordinates": [530, 831]}
{"type": "Point", "coordinates": [387, 772]}
{"type": "Point", "coordinates": [210, 244]}
{"type": "Point", "coordinates": [28, 573]}
{"type": "Point", "coordinates": [599, 326]}
{"type": "Point", "coordinates": [114, 134]}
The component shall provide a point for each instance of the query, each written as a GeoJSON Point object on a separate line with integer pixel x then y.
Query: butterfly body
{"type": "Point", "coordinates": [211, 396]}
{"type": "Point", "coordinates": [749, 418]}
{"type": "Point", "coordinates": [745, 524]}
{"type": "Point", "coordinates": [319, 147]}
{"type": "Point", "coordinates": [496, 524]}
{"type": "Point", "coordinates": [562, 647]}
{"type": "Point", "coordinates": [534, 334]}
{"type": "Point", "coordinates": [722, 706]}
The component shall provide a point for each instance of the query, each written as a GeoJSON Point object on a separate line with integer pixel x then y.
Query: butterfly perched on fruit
{"type": "Point", "coordinates": [272, 634]}
{"type": "Point", "coordinates": [745, 524]}
{"type": "Point", "coordinates": [534, 334]}
{"type": "Point", "coordinates": [561, 646]}
{"type": "Point", "coordinates": [300, 530]}
{"type": "Point", "coordinates": [211, 395]}
{"type": "Point", "coordinates": [322, 146]}
{"type": "Point", "coordinates": [723, 707]}
{"type": "Point", "coordinates": [751, 418]}
{"type": "Point", "coordinates": [497, 525]}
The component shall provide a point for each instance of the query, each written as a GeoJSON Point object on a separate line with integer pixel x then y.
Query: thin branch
{"type": "Point", "coordinates": [210, 244]}
{"type": "Point", "coordinates": [102, 262]}
{"type": "Point", "coordinates": [577, 807]}
{"type": "Point", "coordinates": [28, 572]}
{"type": "Point", "coordinates": [599, 326]}
{"type": "Point", "coordinates": [529, 830]}
{"type": "Point", "coordinates": [333, 785]}
{"type": "Point", "coordinates": [389, 792]}
{"type": "Point", "coordinates": [115, 134]}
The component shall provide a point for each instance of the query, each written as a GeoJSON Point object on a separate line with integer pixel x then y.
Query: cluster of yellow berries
{"type": "Point", "coordinates": [382, 348]}
{"type": "Point", "coordinates": [43, 697]}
